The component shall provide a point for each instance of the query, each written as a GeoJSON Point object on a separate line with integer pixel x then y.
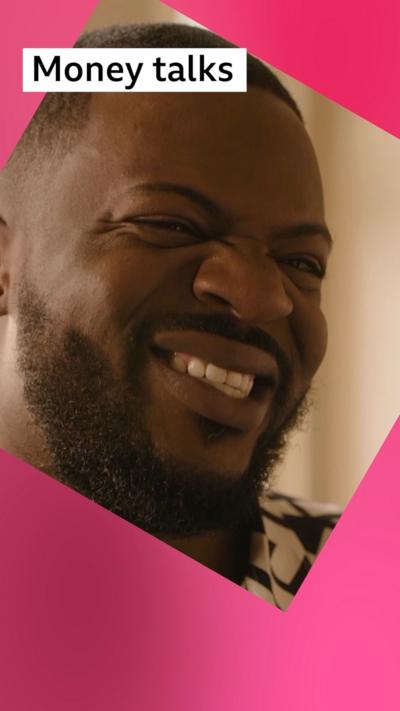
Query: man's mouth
{"type": "Point", "coordinates": [222, 380]}
{"type": "Point", "coordinates": [230, 382]}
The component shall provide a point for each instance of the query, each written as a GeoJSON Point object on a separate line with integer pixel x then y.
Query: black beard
{"type": "Point", "coordinates": [99, 445]}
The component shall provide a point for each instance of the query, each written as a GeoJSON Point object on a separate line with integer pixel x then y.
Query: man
{"type": "Point", "coordinates": [162, 257]}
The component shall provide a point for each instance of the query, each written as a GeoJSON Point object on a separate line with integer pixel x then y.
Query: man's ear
{"type": "Point", "coordinates": [4, 266]}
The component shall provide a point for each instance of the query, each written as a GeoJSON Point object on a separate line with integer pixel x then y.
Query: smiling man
{"type": "Point", "coordinates": [161, 264]}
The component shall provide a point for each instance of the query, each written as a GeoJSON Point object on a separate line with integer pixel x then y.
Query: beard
{"type": "Point", "coordinates": [98, 441]}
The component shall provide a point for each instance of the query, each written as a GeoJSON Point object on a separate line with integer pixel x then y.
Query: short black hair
{"type": "Point", "coordinates": [60, 114]}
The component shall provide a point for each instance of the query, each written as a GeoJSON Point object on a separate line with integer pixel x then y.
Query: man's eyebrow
{"type": "Point", "coordinates": [196, 196]}
{"type": "Point", "coordinates": [305, 229]}
{"type": "Point", "coordinates": [191, 193]}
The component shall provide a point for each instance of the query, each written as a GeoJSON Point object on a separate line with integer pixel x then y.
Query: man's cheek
{"type": "Point", "coordinates": [161, 415]}
{"type": "Point", "coordinates": [312, 336]}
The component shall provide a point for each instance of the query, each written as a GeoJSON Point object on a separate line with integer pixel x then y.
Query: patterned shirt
{"type": "Point", "coordinates": [284, 544]}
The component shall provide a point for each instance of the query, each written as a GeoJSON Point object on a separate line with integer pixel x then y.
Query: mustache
{"type": "Point", "coordinates": [221, 325]}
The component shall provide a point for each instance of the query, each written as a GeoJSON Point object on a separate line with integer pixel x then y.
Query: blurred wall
{"type": "Point", "coordinates": [357, 391]}
{"type": "Point", "coordinates": [112, 12]}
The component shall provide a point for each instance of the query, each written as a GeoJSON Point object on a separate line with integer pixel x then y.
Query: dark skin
{"type": "Point", "coordinates": [170, 203]}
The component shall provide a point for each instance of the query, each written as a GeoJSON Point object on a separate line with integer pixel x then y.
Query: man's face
{"type": "Point", "coordinates": [176, 256]}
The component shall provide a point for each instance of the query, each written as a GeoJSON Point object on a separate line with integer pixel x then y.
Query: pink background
{"type": "Point", "coordinates": [346, 49]}
{"type": "Point", "coordinates": [96, 614]}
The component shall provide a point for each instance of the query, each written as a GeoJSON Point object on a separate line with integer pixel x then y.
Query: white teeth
{"type": "Point", "coordinates": [233, 392]}
{"type": "Point", "coordinates": [196, 368]}
{"type": "Point", "coordinates": [247, 382]}
{"type": "Point", "coordinates": [250, 384]}
{"type": "Point", "coordinates": [215, 374]}
{"type": "Point", "coordinates": [236, 385]}
{"type": "Point", "coordinates": [178, 364]}
{"type": "Point", "coordinates": [235, 379]}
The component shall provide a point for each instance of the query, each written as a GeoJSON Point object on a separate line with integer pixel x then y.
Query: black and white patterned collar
{"type": "Point", "coordinates": [285, 542]}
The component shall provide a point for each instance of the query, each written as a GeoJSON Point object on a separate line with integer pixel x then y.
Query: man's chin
{"type": "Point", "coordinates": [219, 469]}
{"type": "Point", "coordinates": [223, 453]}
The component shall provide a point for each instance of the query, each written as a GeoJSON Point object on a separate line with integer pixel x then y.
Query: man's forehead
{"type": "Point", "coordinates": [188, 114]}
{"type": "Point", "coordinates": [246, 142]}
{"type": "Point", "coordinates": [247, 132]}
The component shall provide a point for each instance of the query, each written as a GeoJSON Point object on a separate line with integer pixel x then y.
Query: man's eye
{"type": "Point", "coordinates": [173, 225]}
{"type": "Point", "coordinates": [307, 265]}
{"type": "Point", "coordinates": [167, 232]}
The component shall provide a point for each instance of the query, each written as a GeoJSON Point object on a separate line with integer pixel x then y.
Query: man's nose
{"type": "Point", "coordinates": [247, 282]}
